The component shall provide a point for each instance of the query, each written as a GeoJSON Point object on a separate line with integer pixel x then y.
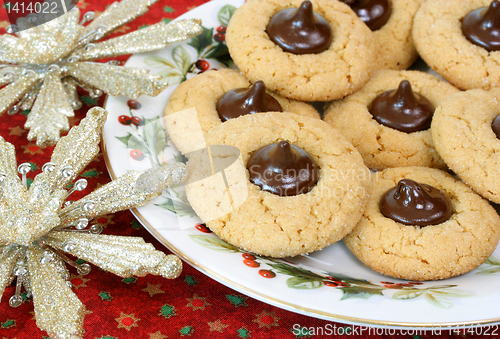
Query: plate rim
{"type": "Point", "coordinates": [266, 298]}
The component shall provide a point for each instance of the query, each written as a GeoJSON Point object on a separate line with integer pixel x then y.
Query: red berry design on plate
{"type": "Point", "coordinates": [124, 120]}
{"type": "Point", "coordinates": [202, 64]}
{"type": "Point", "coordinates": [202, 228]}
{"type": "Point", "coordinates": [219, 37]}
{"type": "Point", "coordinates": [221, 29]}
{"type": "Point", "coordinates": [134, 104]}
{"type": "Point", "coordinates": [137, 121]}
{"type": "Point", "coordinates": [267, 273]}
{"type": "Point", "coordinates": [136, 155]}
{"type": "Point", "coordinates": [248, 256]}
{"type": "Point", "coordinates": [251, 263]}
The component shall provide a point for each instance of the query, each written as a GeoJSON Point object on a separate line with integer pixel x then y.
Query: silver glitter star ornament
{"type": "Point", "coordinates": [43, 66]}
{"type": "Point", "coordinates": [39, 226]}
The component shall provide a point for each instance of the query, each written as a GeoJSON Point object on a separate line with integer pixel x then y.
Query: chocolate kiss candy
{"type": "Point", "coordinates": [374, 13]}
{"type": "Point", "coordinates": [242, 101]}
{"type": "Point", "coordinates": [283, 169]}
{"type": "Point", "coordinates": [300, 30]}
{"type": "Point", "coordinates": [495, 125]}
{"type": "Point", "coordinates": [482, 26]}
{"type": "Point", "coordinates": [402, 109]}
{"type": "Point", "coordinates": [415, 204]}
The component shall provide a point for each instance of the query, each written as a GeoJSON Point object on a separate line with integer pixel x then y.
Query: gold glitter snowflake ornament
{"type": "Point", "coordinates": [38, 225]}
{"type": "Point", "coordinates": [43, 66]}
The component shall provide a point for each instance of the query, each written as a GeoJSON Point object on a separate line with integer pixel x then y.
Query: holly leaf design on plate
{"type": "Point", "coordinates": [131, 141]}
{"type": "Point", "coordinates": [490, 267]}
{"type": "Point", "coordinates": [301, 283]}
{"type": "Point", "coordinates": [155, 136]}
{"type": "Point", "coordinates": [214, 243]}
{"type": "Point", "coordinates": [295, 271]}
{"type": "Point", "coordinates": [181, 58]}
{"type": "Point", "coordinates": [221, 54]}
{"type": "Point", "coordinates": [360, 292]}
{"type": "Point", "coordinates": [173, 76]}
{"type": "Point", "coordinates": [179, 208]}
{"type": "Point", "coordinates": [202, 41]}
{"type": "Point", "coordinates": [225, 14]}
{"type": "Point", "coordinates": [176, 202]}
{"type": "Point", "coordinates": [408, 294]}
{"type": "Point", "coordinates": [350, 280]}
{"type": "Point", "coordinates": [437, 300]}
{"type": "Point", "coordinates": [158, 62]}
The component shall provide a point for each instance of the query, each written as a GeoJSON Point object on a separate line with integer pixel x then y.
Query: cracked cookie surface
{"type": "Point", "coordinates": [339, 71]}
{"type": "Point", "coordinates": [393, 41]}
{"type": "Point", "coordinates": [464, 138]}
{"type": "Point", "coordinates": [381, 146]}
{"type": "Point", "coordinates": [441, 251]}
{"type": "Point", "coordinates": [437, 34]}
{"type": "Point", "coordinates": [277, 226]}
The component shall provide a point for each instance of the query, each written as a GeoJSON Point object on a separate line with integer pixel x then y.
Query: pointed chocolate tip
{"type": "Point", "coordinates": [285, 145]}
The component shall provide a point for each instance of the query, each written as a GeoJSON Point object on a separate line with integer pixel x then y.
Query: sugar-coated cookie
{"type": "Point", "coordinates": [382, 146]}
{"type": "Point", "coordinates": [463, 135]}
{"type": "Point", "coordinates": [280, 226]}
{"type": "Point", "coordinates": [437, 34]}
{"type": "Point", "coordinates": [203, 91]}
{"type": "Point", "coordinates": [391, 22]}
{"type": "Point", "coordinates": [334, 73]}
{"type": "Point", "coordinates": [433, 252]}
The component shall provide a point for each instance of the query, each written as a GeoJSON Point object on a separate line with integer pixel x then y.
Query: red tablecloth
{"type": "Point", "coordinates": [192, 305]}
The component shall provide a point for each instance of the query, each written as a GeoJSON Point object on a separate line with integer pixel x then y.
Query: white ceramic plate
{"type": "Point", "coordinates": [330, 284]}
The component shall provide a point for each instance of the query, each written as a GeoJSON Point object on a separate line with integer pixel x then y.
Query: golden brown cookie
{"type": "Point", "coordinates": [382, 146]}
{"type": "Point", "coordinates": [464, 138]}
{"type": "Point", "coordinates": [393, 41]}
{"type": "Point", "coordinates": [437, 34]}
{"type": "Point", "coordinates": [203, 91]}
{"type": "Point", "coordinates": [339, 71]}
{"type": "Point", "coordinates": [281, 226]}
{"type": "Point", "coordinates": [433, 252]}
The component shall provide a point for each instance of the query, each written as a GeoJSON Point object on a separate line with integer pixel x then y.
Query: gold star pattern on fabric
{"type": "Point", "coordinates": [78, 281]}
{"type": "Point", "coordinates": [127, 321]}
{"type": "Point", "coordinates": [32, 148]}
{"type": "Point", "coordinates": [266, 319]}
{"type": "Point", "coordinates": [217, 326]}
{"type": "Point", "coordinates": [153, 289]}
{"type": "Point", "coordinates": [197, 303]}
{"type": "Point", "coordinates": [105, 220]}
{"type": "Point", "coordinates": [17, 131]}
{"type": "Point", "coordinates": [157, 335]}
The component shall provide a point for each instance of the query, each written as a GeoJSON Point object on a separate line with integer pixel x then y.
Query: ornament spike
{"type": "Point", "coordinates": [118, 14]}
{"type": "Point", "coordinates": [79, 147]}
{"type": "Point", "coordinates": [123, 256]}
{"type": "Point", "coordinates": [13, 92]}
{"type": "Point", "coordinates": [116, 80]}
{"type": "Point", "coordinates": [152, 38]}
{"type": "Point", "coordinates": [57, 309]}
{"type": "Point", "coordinates": [131, 189]}
{"type": "Point", "coordinates": [48, 116]}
